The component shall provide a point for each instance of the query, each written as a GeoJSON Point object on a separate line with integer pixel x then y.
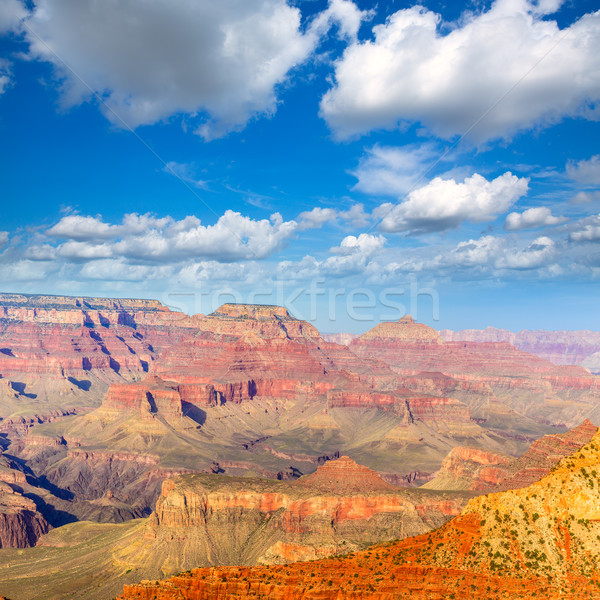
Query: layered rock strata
{"type": "Point", "coordinates": [538, 541]}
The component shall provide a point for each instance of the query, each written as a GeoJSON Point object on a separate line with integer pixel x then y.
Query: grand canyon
{"type": "Point", "coordinates": [299, 300]}
{"type": "Point", "coordinates": [138, 443]}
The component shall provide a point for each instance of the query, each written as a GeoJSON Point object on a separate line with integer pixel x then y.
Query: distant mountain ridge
{"type": "Point", "coordinates": [560, 347]}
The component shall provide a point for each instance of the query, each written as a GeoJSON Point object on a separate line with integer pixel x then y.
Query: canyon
{"type": "Point", "coordinates": [560, 347]}
{"type": "Point", "coordinates": [537, 541]}
{"type": "Point", "coordinates": [248, 420]}
{"type": "Point", "coordinates": [208, 519]}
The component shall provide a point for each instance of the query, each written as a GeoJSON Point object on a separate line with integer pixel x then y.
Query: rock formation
{"type": "Point", "coordinates": [521, 387]}
{"type": "Point", "coordinates": [210, 519]}
{"type": "Point", "coordinates": [102, 395]}
{"type": "Point", "coordinates": [539, 541]}
{"type": "Point", "coordinates": [477, 470]}
{"type": "Point", "coordinates": [560, 347]}
{"type": "Point", "coordinates": [21, 524]}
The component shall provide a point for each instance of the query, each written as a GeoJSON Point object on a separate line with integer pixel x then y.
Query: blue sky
{"type": "Point", "coordinates": [350, 159]}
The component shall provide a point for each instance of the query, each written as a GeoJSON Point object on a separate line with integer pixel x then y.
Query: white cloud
{"type": "Point", "coordinates": [5, 75]}
{"type": "Point", "coordinates": [538, 216]}
{"type": "Point", "coordinates": [319, 216]}
{"type": "Point", "coordinates": [74, 250]}
{"type": "Point", "coordinates": [212, 271]}
{"type": "Point", "coordinates": [508, 66]}
{"type": "Point", "coordinates": [476, 252]}
{"type": "Point", "coordinates": [3, 238]}
{"type": "Point", "coordinates": [144, 238]}
{"type": "Point", "coordinates": [11, 12]}
{"type": "Point", "coordinates": [120, 270]}
{"type": "Point", "coordinates": [40, 252]}
{"type": "Point", "coordinates": [26, 270]}
{"type": "Point", "coordinates": [353, 256]}
{"type": "Point", "coordinates": [494, 253]}
{"type": "Point", "coordinates": [586, 172]}
{"type": "Point", "coordinates": [588, 230]}
{"type": "Point", "coordinates": [585, 197]}
{"type": "Point", "coordinates": [77, 227]}
{"type": "Point", "coordinates": [444, 204]}
{"type": "Point", "coordinates": [217, 62]}
{"type": "Point", "coordinates": [343, 13]}
{"type": "Point", "coordinates": [356, 215]}
{"type": "Point", "coordinates": [536, 254]}
{"type": "Point", "coordinates": [393, 171]}
{"type": "Point", "coordinates": [365, 244]}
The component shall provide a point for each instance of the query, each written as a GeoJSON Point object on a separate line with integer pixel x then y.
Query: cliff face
{"type": "Point", "coordinates": [60, 353]}
{"type": "Point", "coordinates": [21, 524]}
{"type": "Point", "coordinates": [209, 519]}
{"type": "Point", "coordinates": [476, 470]}
{"type": "Point", "coordinates": [539, 541]}
{"type": "Point", "coordinates": [514, 381]}
{"type": "Point", "coordinates": [100, 394]}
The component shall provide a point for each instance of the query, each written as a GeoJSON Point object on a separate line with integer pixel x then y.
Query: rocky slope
{"type": "Point", "coordinates": [210, 519]}
{"type": "Point", "coordinates": [250, 390]}
{"type": "Point", "coordinates": [539, 541]}
{"type": "Point", "coordinates": [477, 470]}
{"type": "Point", "coordinates": [512, 387]}
{"type": "Point", "coordinates": [560, 347]}
{"type": "Point", "coordinates": [21, 524]}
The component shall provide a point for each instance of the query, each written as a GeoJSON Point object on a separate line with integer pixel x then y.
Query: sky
{"type": "Point", "coordinates": [353, 161]}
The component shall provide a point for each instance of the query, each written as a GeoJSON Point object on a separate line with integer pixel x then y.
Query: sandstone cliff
{"type": "Point", "coordinates": [21, 524]}
{"type": "Point", "coordinates": [210, 519]}
{"type": "Point", "coordinates": [539, 541]}
{"type": "Point", "coordinates": [477, 470]}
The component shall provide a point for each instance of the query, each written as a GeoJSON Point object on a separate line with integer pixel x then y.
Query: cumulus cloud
{"type": "Point", "coordinates": [539, 216]}
{"type": "Point", "coordinates": [148, 238]}
{"type": "Point", "coordinates": [393, 171]}
{"type": "Point", "coordinates": [3, 238]}
{"type": "Point", "coordinates": [319, 216]}
{"type": "Point", "coordinates": [365, 244]}
{"type": "Point", "coordinates": [535, 255]}
{"type": "Point", "coordinates": [120, 270]}
{"type": "Point", "coordinates": [444, 204]}
{"type": "Point", "coordinates": [26, 270]}
{"type": "Point", "coordinates": [353, 256]}
{"type": "Point", "coordinates": [342, 13]}
{"type": "Point", "coordinates": [497, 72]}
{"type": "Point", "coordinates": [40, 252]}
{"type": "Point", "coordinates": [219, 63]}
{"type": "Point", "coordinates": [586, 172]}
{"type": "Point", "coordinates": [497, 253]}
{"type": "Point", "coordinates": [585, 197]}
{"type": "Point", "coordinates": [77, 227]}
{"type": "Point", "coordinates": [84, 250]}
{"type": "Point", "coordinates": [587, 230]}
